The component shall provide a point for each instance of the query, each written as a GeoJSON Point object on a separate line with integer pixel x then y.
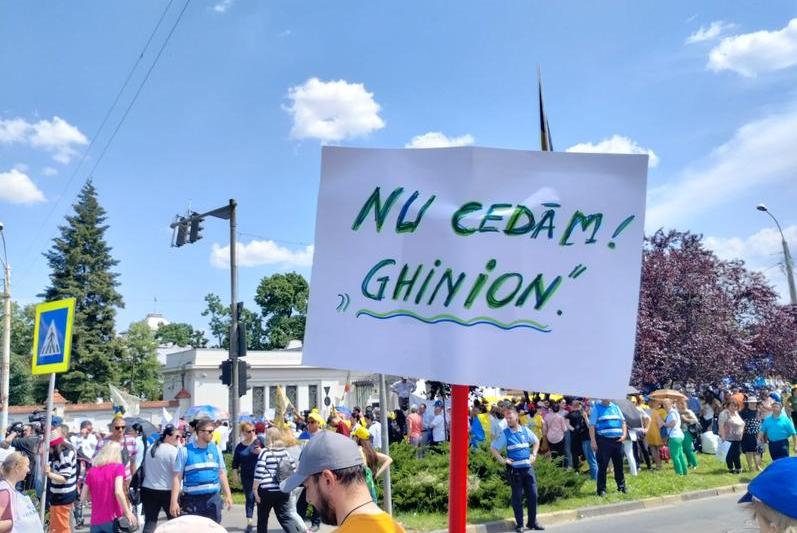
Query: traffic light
{"type": "Point", "coordinates": [196, 228]}
{"type": "Point", "coordinates": [241, 333]}
{"type": "Point", "coordinates": [182, 232]}
{"type": "Point", "coordinates": [243, 378]}
{"type": "Point", "coordinates": [226, 372]}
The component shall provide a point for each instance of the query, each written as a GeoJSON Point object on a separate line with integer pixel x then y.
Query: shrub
{"type": "Point", "coordinates": [422, 484]}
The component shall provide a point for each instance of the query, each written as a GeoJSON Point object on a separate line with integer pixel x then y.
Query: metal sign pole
{"type": "Point", "coordinates": [388, 488]}
{"type": "Point", "coordinates": [46, 445]}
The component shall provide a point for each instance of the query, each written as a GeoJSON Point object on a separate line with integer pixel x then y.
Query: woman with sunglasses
{"type": "Point", "coordinates": [158, 464]}
{"type": "Point", "coordinates": [243, 467]}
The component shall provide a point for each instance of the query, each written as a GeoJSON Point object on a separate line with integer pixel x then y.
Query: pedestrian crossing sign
{"type": "Point", "coordinates": [52, 336]}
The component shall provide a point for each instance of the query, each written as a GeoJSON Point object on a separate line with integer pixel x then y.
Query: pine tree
{"type": "Point", "coordinates": [81, 267]}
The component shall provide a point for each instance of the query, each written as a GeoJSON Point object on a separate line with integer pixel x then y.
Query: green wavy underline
{"type": "Point", "coordinates": [529, 324]}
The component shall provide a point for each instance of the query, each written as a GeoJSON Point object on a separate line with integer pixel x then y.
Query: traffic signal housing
{"type": "Point", "coordinates": [195, 232]}
{"type": "Point", "coordinates": [182, 232]}
{"type": "Point", "coordinates": [226, 372]}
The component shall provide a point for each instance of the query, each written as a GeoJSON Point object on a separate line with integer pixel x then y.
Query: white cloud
{"type": "Point", "coordinates": [435, 139]}
{"type": "Point", "coordinates": [750, 54]}
{"type": "Point", "coordinates": [223, 6]}
{"type": "Point", "coordinates": [332, 111]}
{"type": "Point", "coordinates": [617, 144]}
{"type": "Point", "coordinates": [761, 251]}
{"type": "Point", "coordinates": [17, 188]}
{"type": "Point", "coordinates": [257, 253]}
{"type": "Point", "coordinates": [56, 136]}
{"type": "Point", "coordinates": [759, 153]}
{"type": "Point", "coordinates": [49, 171]}
{"type": "Point", "coordinates": [714, 30]}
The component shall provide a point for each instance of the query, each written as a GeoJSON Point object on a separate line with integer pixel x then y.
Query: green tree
{"type": "Point", "coordinates": [81, 266]}
{"type": "Point", "coordinates": [219, 322]}
{"type": "Point", "coordinates": [180, 334]}
{"type": "Point", "coordinates": [140, 371]}
{"type": "Point", "coordinates": [20, 391]}
{"type": "Point", "coordinates": [283, 303]}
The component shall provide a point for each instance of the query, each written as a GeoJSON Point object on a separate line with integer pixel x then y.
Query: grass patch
{"type": "Point", "coordinates": [711, 473]}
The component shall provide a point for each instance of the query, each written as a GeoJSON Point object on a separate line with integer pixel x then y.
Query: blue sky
{"type": "Point", "coordinates": [246, 93]}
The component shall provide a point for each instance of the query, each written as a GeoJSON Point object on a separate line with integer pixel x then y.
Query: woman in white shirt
{"type": "Point", "coordinates": [17, 513]}
{"type": "Point", "coordinates": [158, 464]}
{"type": "Point", "coordinates": [675, 438]}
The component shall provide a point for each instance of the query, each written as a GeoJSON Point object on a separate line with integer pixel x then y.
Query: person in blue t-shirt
{"type": "Point", "coordinates": [776, 430]}
{"type": "Point", "coordinates": [521, 453]}
{"type": "Point", "coordinates": [607, 431]}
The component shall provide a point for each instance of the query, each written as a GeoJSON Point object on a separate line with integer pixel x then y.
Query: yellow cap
{"type": "Point", "coordinates": [362, 433]}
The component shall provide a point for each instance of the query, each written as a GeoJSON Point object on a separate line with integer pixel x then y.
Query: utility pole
{"type": "Point", "coordinates": [786, 255]}
{"type": "Point", "coordinates": [188, 229]}
{"type": "Point", "coordinates": [6, 367]}
{"type": "Point", "coordinates": [234, 398]}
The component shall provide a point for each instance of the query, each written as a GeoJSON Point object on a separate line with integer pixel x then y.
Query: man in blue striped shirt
{"type": "Point", "coordinates": [607, 431]}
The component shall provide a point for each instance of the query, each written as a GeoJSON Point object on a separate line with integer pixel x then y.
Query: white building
{"type": "Point", "coordinates": [194, 375]}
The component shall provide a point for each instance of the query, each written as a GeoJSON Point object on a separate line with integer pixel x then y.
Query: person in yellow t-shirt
{"type": "Point", "coordinates": [332, 472]}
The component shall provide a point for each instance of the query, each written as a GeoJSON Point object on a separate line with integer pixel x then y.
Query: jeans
{"type": "Point", "coordinates": [523, 482]}
{"type": "Point", "coordinates": [689, 450]}
{"type": "Point", "coordinates": [102, 528]}
{"type": "Point", "coordinates": [676, 445]}
{"type": "Point", "coordinates": [301, 508]}
{"type": "Point", "coordinates": [610, 450]}
{"type": "Point", "coordinates": [628, 450]}
{"type": "Point", "coordinates": [207, 505]}
{"type": "Point", "coordinates": [568, 451]}
{"type": "Point", "coordinates": [249, 496]}
{"type": "Point", "coordinates": [778, 449]}
{"type": "Point", "coordinates": [733, 459]}
{"type": "Point", "coordinates": [589, 456]}
{"type": "Point", "coordinates": [279, 501]}
{"type": "Point", "coordinates": [153, 501]}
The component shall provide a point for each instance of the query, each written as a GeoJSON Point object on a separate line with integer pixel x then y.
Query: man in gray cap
{"type": "Point", "coordinates": [331, 470]}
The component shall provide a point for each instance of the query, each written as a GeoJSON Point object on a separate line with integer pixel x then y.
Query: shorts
{"type": "Point", "coordinates": [749, 443]}
{"type": "Point", "coordinates": [60, 516]}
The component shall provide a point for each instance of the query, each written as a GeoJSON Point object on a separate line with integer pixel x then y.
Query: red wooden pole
{"type": "Point", "coordinates": [458, 469]}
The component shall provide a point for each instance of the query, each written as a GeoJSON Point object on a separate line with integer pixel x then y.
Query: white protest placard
{"type": "Point", "coordinates": [479, 266]}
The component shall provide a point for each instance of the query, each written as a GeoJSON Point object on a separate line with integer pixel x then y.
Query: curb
{"type": "Point", "coordinates": [560, 517]}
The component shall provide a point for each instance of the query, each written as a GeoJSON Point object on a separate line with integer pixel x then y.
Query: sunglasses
{"type": "Point", "coordinates": [205, 431]}
{"type": "Point", "coordinates": [120, 427]}
{"type": "Point", "coordinates": [250, 430]}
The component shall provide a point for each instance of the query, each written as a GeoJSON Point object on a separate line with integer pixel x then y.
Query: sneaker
{"type": "Point", "coordinates": [314, 528]}
{"type": "Point", "coordinates": [602, 493]}
{"type": "Point", "coordinates": [536, 526]}
{"type": "Point", "coordinates": [623, 490]}
{"type": "Point", "coordinates": [519, 529]}
{"type": "Point", "coordinates": [248, 528]}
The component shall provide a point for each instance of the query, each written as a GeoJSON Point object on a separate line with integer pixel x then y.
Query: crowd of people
{"type": "Point", "coordinates": [125, 474]}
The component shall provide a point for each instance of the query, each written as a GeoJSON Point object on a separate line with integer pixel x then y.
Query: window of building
{"type": "Point", "coordinates": [312, 394]}
{"type": "Point", "coordinates": [291, 391]}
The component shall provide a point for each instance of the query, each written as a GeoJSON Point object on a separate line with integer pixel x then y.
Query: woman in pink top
{"type": "Point", "coordinates": [104, 487]}
{"type": "Point", "coordinates": [554, 427]}
{"type": "Point", "coordinates": [414, 426]}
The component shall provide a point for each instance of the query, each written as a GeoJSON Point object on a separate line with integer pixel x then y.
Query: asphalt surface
{"type": "Point", "coordinates": [720, 514]}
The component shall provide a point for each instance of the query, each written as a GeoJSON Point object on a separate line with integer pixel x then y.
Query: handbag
{"type": "Point", "coordinates": [123, 525]}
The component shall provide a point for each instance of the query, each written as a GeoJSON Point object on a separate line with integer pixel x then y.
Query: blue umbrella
{"type": "Point", "coordinates": [205, 411]}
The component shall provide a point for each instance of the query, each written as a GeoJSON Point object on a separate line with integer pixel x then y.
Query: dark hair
{"type": "Point", "coordinates": [85, 424]}
{"type": "Point", "coordinates": [346, 476]}
{"type": "Point", "coordinates": [202, 424]}
{"type": "Point", "coordinates": [369, 416]}
{"type": "Point", "coordinates": [168, 431]}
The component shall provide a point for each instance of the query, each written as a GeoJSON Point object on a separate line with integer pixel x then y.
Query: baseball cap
{"type": "Point", "coordinates": [776, 486]}
{"type": "Point", "coordinates": [316, 417]}
{"type": "Point", "coordinates": [775, 397]}
{"type": "Point", "coordinates": [327, 451]}
{"type": "Point", "coordinates": [361, 433]}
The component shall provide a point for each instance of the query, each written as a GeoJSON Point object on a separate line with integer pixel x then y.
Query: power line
{"type": "Point", "coordinates": [140, 87]}
{"type": "Point", "coordinates": [108, 114]}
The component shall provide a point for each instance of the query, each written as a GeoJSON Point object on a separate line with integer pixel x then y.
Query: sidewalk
{"type": "Point", "coordinates": [559, 517]}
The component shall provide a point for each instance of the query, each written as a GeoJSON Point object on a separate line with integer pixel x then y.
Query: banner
{"type": "Point", "coordinates": [479, 266]}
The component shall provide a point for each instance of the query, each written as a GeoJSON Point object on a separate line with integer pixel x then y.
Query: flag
{"type": "Point", "coordinates": [546, 144]}
{"type": "Point", "coordinates": [124, 403]}
{"type": "Point", "coordinates": [281, 407]}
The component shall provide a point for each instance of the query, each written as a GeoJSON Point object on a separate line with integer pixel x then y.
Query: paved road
{"type": "Point", "coordinates": [720, 514]}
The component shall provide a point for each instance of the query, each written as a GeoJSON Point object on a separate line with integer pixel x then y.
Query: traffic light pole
{"type": "Point", "coordinates": [234, 398]}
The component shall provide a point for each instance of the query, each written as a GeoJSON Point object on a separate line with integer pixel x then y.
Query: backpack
{"type": "Point", "coordinates": [285, 469]}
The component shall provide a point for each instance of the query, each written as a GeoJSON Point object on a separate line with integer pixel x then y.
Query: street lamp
{"type": "Point", "coordinates": [6, 364]}
{"type": "Point", "coordinates": [786, 255]}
